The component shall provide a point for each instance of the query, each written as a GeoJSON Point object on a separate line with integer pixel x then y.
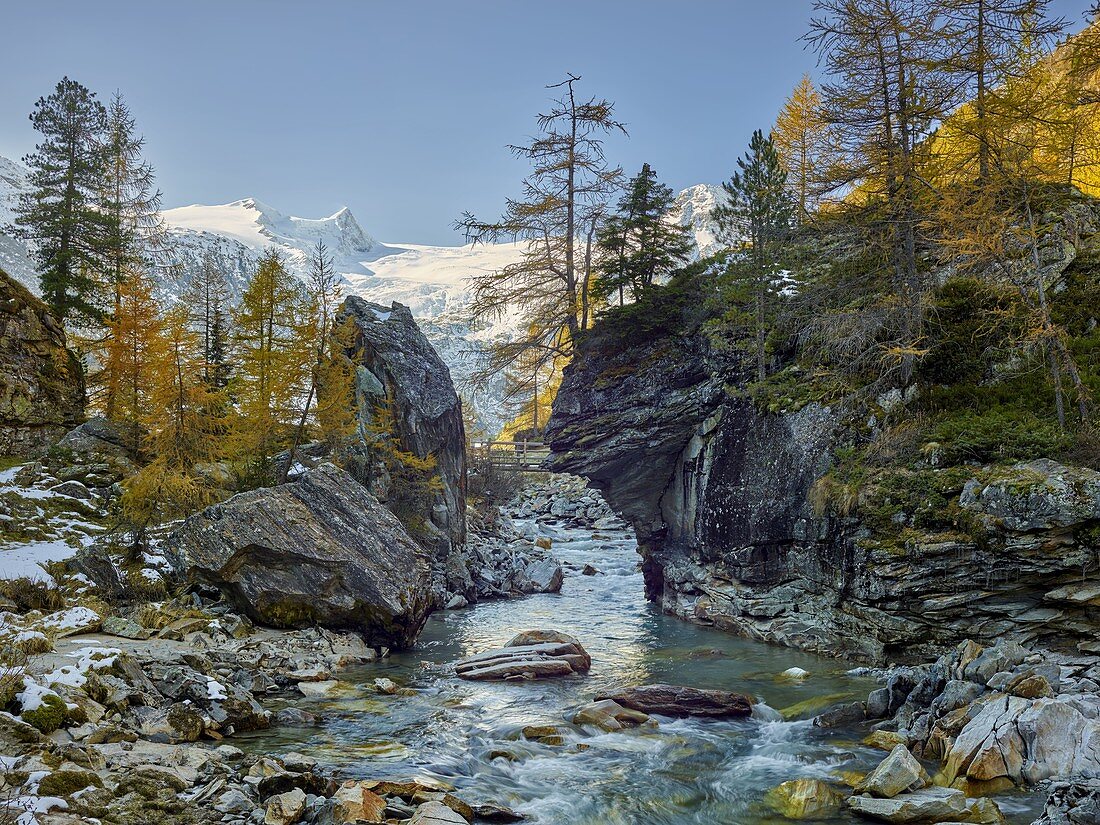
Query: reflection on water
{"type": "Point", "coordinates": [683, 771]}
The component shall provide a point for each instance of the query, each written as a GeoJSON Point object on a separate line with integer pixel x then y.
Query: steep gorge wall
{"type": "Point", "coordinates": [718, 491]}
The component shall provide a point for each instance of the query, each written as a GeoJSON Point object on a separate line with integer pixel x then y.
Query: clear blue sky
{"type": "Point", "coordinates": [401, 109]}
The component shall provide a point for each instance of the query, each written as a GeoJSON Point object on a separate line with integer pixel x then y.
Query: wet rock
{"type": "Point", "coordinates": [320, 550]}
{"type": "Point", "coordinates": [926, 805]}
{"type": "Point", "coordinates": [849, 713]}
{"type": "Point", "coordinates": [897, 773]}
{"type": "Point", "coordinates": [489, 812]}
{"type": "Point", "coordinates": [589, 570]}
{"type": "Point", "coordinates": [676, 700]}
{"type": "Point", "coordinates": [804, 799]}
{"type": "Point", "coordinates": [534, 654]}
{"type": "Point", "coordinates": [609, 715]}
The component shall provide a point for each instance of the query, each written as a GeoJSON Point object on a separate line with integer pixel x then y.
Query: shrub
{"type": "Point", "coordinates": [998, 435]}
{"type": "Point", "coordinates": [32, 594]}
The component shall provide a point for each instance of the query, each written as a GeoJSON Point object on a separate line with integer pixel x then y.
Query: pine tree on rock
{"type": "Point", "coordinates": [758, 214]}
{"type": "Point", "coordinates": [564, 199]}
{"type": "Point", "coordinates": [62, 214]}
{"type": "Point", "coordinates": [638, 244]}
{"type": "Point", "coordinates": [985, 38]}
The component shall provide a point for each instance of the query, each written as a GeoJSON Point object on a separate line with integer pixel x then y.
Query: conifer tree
{"type": "Point", "coordinates": [563, 201]}
{"type": "Point", "coordinates": [757, 214]}
{"type": "Point", "coordinates": [985, 40]}
{"type": "Point", "coordinates": [334, 376]}
{"type": "Point", "coordinates": [802, 137]}
{"type": "Point", "coordinates": [135, 341]}
{"type": "Point", "coordinates": [272, 365]}
{"type": "Point", "coordinates": [638, 244]}
{"type": "Point", "coordinates": [62, 213]}
{"type": "Point", "coordinates": [324, 294]}
{"type": "Point", "coordinates": [207, 296]}
{"type": "Point", "coordinates": [886, 95]}
{"type": "Point", "coordinates": [186, 425]}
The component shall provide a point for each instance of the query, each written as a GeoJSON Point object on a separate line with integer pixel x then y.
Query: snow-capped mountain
{"type": "Point", "coordinates": [431, 280]}
{"type": "Point", "coordinates": [14, 258]}
{"type": "Point", "coordinates": [693, 207]}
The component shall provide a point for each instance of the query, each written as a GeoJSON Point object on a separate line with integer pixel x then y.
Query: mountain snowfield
{"type": "Point", "coordinates": [433, 281]}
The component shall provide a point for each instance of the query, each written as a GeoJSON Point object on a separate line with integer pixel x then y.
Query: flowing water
{"type": "Point", "coordinates": [682, 771]}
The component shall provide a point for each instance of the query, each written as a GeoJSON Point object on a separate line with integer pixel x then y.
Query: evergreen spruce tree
{"type": "Point", "coordinates": [757, 214]}
{"type": "Point", "coordinates": [207, 297]}
{"type": "Point", "coordinates": [62, 214]}
{"type": "Point", "coordinates": [639, 245]}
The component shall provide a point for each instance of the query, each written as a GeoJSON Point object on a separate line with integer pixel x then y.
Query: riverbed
{"type": "Point", "coordinates": [680, 771]}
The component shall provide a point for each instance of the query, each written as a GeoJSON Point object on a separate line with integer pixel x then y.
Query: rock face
{"type": "Point", "coordinates": [320, 550]}
{"type": "Point", "coordinates": [397, 362]}
{"type": "Point", "coordinates": [718, 489]}
{"type": "Point", "coordinates": [41, 382]}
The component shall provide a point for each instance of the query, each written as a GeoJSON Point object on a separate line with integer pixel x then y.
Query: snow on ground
{"type": "Point", "coordinates": [58, 534]}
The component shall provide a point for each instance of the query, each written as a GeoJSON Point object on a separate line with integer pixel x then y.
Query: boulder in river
{"type": "Point", "coordinates": [928, 805]}
{"type": "Point", "coordinates": [320, 550]}
{"type": "Point", "coordinates": [609, 715]}
{"type": "Point", "coordinates": [677, 700]}
{"type": "Point", "coordinates": [533, 654]}
{"type": "Point", "coordinates": [897, 773]}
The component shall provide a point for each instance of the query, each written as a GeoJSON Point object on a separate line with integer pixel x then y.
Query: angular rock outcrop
{"type": "Point", "coordinates": [320, 550]}
{"type": "Point", "coordinates": [41, 382]}
{"type": "Point", "coordinates": [397, 362]}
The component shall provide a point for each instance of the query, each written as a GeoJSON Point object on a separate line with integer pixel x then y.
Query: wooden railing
{"type": "Point", "coordinates": [516, 456]}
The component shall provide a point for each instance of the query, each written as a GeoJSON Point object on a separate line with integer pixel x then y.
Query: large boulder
{"type": "Point", "coordinates": [320, 550]}
{"type": "Point", "coordinates": [397, 362]}
{"type": "Point", "coordinates": [41, 381]}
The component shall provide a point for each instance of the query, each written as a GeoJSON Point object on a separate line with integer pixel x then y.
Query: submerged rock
{"type": "Point", "coordinates": [533, 654]}
{"type": "Point", "coordinates": [676, 700]}
{"type": "Point", "coordinates": [321, 550]}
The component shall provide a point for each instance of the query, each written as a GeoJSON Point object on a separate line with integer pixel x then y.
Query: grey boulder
{"type": "Point", "coordinates": [320, 550]}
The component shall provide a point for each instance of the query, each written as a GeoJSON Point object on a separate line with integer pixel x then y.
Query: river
{"type": "Point", "coordinates": [682, 771]}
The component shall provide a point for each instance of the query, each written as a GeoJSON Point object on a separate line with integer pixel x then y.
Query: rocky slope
{"type": "Point", "coordinates": [718, 486]}
{"type": "Point", "coordinates": [41, 381]}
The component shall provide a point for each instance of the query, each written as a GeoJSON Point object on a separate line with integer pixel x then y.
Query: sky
{"type": "Point", "coordinates": [402, 109]}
